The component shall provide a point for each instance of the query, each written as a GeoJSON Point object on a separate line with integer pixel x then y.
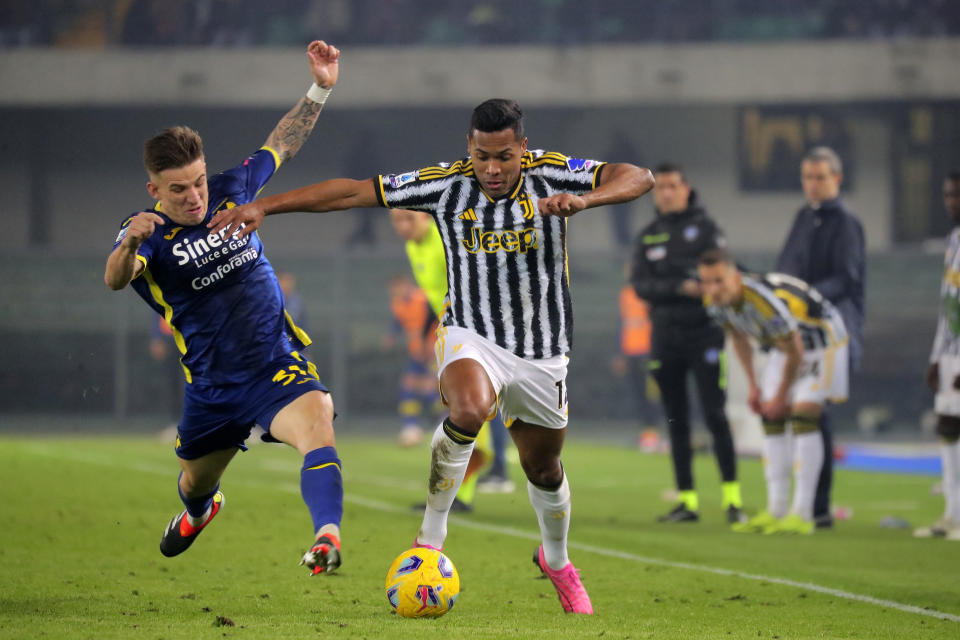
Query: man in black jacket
{"type": "Point", "coordinates": [825, 248]}
{"type": "Point", "coordinates": [685, 339]}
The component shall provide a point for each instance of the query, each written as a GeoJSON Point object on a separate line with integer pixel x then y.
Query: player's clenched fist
{"type": "Point", "coordinates": [140, 228]}
{"type": "Point", "coordinates": [562, 204]}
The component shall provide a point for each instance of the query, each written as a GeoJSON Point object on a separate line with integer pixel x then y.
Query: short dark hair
{"type": "Point", "coordinates": [954, 175]}
{"type": "Point", "coordinates": [172, 148]}
{"type": "Point", "coordinates": [715, 256]}
{"type": "Point", "coordinates": [497, 114]}
{"type": "Point", "coordinates": [671, 167]}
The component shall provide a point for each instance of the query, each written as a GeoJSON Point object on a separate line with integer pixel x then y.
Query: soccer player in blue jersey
{"type": "Point", "coordinates": [507, 329]}
{"type": "Point", "coordinates": [239, 346]}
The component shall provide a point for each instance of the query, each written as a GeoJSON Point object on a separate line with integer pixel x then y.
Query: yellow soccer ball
{"type": "Point", "coordinates": [422, 583]}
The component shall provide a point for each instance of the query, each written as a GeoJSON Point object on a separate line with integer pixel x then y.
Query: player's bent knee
{"type": "Point", "coordinates": [306, 423]}
{"type": "Point", "coordinates": [470, 416]}
{"type": "Point", "coordinates": [546, 474]}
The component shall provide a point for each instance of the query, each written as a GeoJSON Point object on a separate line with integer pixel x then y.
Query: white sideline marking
{"type": "Point", "coordinates": [623, 555]}
{"type": "Point", "coordinates": [529, 535]}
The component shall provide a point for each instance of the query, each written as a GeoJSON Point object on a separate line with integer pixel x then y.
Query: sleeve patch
{"type": "Point", "coordinates": [397, 181]}
{"type": "Point", "coordinates": [580, 164]}
{"type": "Point", "coordinates": [121, 235]}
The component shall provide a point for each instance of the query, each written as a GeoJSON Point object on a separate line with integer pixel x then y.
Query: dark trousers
{"type": "Point", "coordinates": [676, 354]}
{"type": "Point", "coordinates": [638, 366]}
{"type": "Point", "coordinates": [821, 502]}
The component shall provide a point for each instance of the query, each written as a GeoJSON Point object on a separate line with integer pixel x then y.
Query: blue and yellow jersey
{"type": "Point", "coordinates": [429, 264]}
{"type": "Point", "coordinates": [219, 294]}
{"type": "Point", "coordinates": [775, 305]}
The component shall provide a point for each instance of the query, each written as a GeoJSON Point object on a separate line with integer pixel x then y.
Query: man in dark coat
{"type": "Point", "coordinates": [825, 248]}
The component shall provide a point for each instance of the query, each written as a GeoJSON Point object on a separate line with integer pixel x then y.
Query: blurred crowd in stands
{"type": "Point", "coordinates": [243, 23]}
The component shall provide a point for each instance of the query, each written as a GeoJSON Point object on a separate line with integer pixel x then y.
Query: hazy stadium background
{"type": "Point", "coordinates": [735, 90]}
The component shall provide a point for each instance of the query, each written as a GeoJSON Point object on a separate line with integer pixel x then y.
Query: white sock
{"type": "Point", "coordinates": [776, 469]}
{"type": "Point", "coordinates": [553, 513]}
{"type": "Point", "coordinates": [950, 459]}
{"type": "Point", "coordinates": [448, 463]}
{"type": "Point", "coordinates": [808, 460]}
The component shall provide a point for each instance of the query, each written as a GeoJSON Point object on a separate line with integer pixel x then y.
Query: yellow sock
{"type": "Point", "coordinates": [468, 489]}
{"type": "Point", "coordinates": [731, 495]}
{"type": "Point", "coordinates": [690, 499]}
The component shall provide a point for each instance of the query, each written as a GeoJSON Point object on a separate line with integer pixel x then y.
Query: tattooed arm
{"type": "Point", "coordinates": [292, 130]}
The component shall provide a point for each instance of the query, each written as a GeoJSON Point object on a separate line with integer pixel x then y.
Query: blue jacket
{"type": "Point", "coordinates": [825, 248]}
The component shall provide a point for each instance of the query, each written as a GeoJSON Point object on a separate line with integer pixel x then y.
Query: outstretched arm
{"type": "Point", "coordinates": [292, 130]}
{"type": "Point", "coordinates": [620, 182]}
{"type": "Point", "coordinates": [330, 195]}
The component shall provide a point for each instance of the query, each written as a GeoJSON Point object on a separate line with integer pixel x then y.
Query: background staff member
{"type": "Point", "coordinates": [685, 339]}
{"type": "Point", "coordinates": [825, 248]}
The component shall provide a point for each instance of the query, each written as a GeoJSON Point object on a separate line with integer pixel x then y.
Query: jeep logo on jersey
{"type": "Point", "coordinates": [509, 241]}
{"type": "Point", "coordinates": [579, 164]}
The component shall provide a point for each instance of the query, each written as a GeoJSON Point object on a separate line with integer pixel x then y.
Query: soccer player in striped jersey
{"type": "Point", "coordinates": [943, 376]}
{"type": "Point", "coordinates": [238, 344]}
{"type": "Point", "coordinates": [806, 368]}
{"type": "Point", "coordinates": [506, 332]}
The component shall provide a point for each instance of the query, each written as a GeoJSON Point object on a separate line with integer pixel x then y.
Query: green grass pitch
{"type": "Point", "coordinates": [82, 518]}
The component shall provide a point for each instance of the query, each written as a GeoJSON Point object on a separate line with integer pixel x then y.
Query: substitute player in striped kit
{"type": "Point", "coordinates": [806, 368]}
{"type": "Point", "coordinates": [943, 376]}
{"type": "Point", "coordinates": [507, 327]}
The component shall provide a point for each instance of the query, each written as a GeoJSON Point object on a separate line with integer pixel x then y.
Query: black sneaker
{"type": "Point", "coordinates": [680, 513]}
{"type": "Point", "coordinates": [180, 534]}
{"type": "Point", "coordinates": [735, 515]}
{"type": "Point", "coordinates": [823, 521]}
{"type": "Point", "coordinates": [324, 556]}
{"type": "Point", "coordinates": [458, 506]}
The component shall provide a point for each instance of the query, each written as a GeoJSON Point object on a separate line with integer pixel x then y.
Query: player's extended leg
{"type": "Point", "coordinates": [710, 376]}
{"type": "Point", "coordinates": [671, 376]}
{"type": "Point", "coordinates": [306, 424]}
{"type": "Point", "coordinates": [471, 398]}
{"type": "Point", "coordinates": [948, 428]}
{"type": "Point", "coordinates": [199, 489]}
{"type": "Point", "coordinates": [549, 491]}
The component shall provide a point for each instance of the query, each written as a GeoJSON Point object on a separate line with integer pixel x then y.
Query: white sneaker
{"type": "Point", "coordinates": [942, 528]}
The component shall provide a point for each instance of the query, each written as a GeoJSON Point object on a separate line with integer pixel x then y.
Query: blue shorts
{"type": "Point", "coordinates": [221, 417]}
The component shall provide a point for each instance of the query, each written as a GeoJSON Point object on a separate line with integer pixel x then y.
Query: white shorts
{"type": "Point", "coordinates": [530, 390]}
{"type": "Point", "coordinates": [823, 376]}
{"type": "Point", "coordinates": [947, 400]}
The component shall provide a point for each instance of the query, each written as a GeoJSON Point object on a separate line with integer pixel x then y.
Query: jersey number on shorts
{"type": "Point", "coordinates": [294, 373]}
{"type": "Point", "coordinates": [561, 396]}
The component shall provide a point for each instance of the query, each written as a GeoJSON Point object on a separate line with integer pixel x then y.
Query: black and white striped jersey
{"type": "Point", "coordinates": [506, 264]}
{"type": "Point", "coordinates": [774, 305]}
{"type": "Point", "coordinates": [947, 341]}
